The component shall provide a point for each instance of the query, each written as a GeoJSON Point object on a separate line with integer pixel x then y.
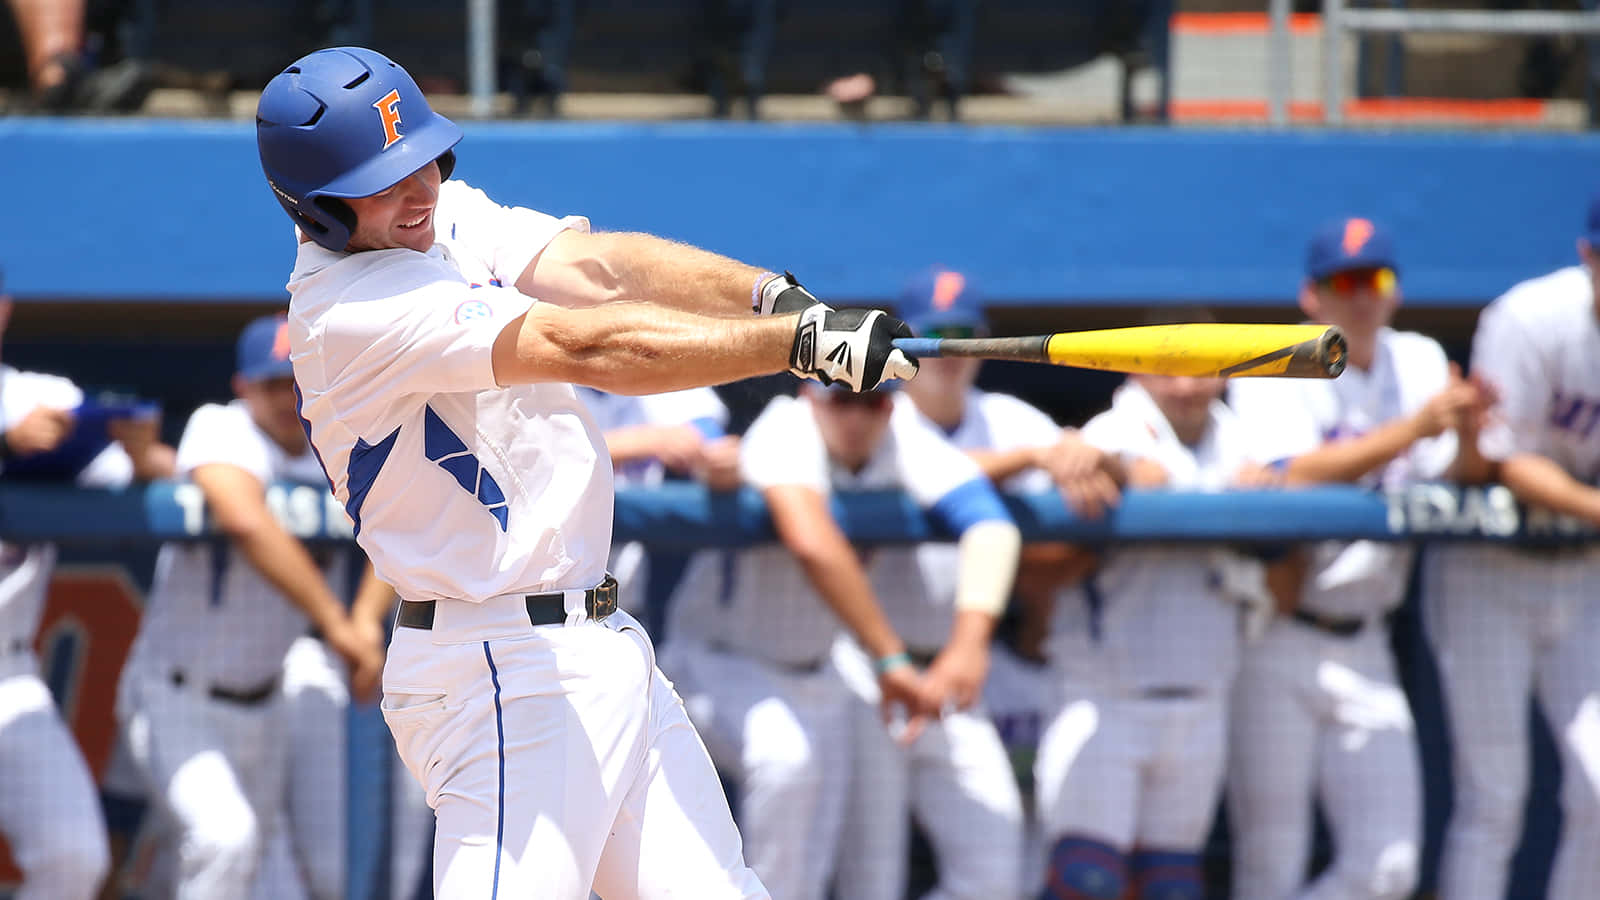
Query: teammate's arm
{"type": "Point", "coordinates": [580, 268]}
{"type": "Point", "coordinates": [373, 602]}
{"type": "Point", "coordinates": [1349, 460]}
{"type": "Point", "coordinates": [238, 504]}
{"type": "Point", "coordinates": [1539, 481]}
{"type": "Point", "coordinates": [987, 558]}
{"type": "Point", "coordinates": [806, 527]}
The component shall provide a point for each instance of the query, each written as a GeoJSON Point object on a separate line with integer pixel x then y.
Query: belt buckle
{"type": "Point", "coordinates": [603, 599]}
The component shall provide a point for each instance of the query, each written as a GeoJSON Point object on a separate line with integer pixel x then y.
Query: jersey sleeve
{"type": "Point", "coordinates": [938, 476]}
{"type": "Point", "coordinates": [783, 447]}
{"type": "Point", "coordinates": [222, 434]}
{"type": "Point", "coordinates": [110, 468]}
{"type": "Point", "coordinates": [504, 238]}
{"type": "Point", "coordinates": [1504, 355]}
{"type": "Point", "coordinates": [1117, 433]}
{"type": "Point", "coordinates": [415, 327]}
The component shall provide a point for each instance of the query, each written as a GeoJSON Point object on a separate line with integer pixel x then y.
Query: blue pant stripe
{"type": "Point", "coordinates": [500, 809]}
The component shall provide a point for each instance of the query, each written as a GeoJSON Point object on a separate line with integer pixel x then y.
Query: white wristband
{"type": "Point", "coordinates": [988, 559]}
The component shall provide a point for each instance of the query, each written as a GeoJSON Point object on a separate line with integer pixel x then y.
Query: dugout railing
{"type": "Point", "coordinates": [109, 530]}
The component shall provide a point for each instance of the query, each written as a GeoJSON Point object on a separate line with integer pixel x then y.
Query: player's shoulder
{"type": "Point", "coordinates": [1003, 408]}
{"type": "Point", "coordinates": [779, 415]}
{"type": "Point", "coordinates": [220, 419]}
{"type": "Point", "coordinates": [1547, 301]}
{"type": "Point", "coordinates": [40, 388]}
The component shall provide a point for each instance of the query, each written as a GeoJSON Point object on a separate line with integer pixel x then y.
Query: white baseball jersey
{"type": "Point", "coordinates": [1156, 616]}
{"type": "Point", "coordinates": [699, 407]}
{"type": "Point", "coordinates": [210, 611]}
{"type": "Point", "coordinates": [771, 611]}
{"type": "Point", "coordinates": [1293, 416]}
{"type": "Point", "coordinates": [1537, 345]}
{"type": "Point", "coordinates": [485, 491]}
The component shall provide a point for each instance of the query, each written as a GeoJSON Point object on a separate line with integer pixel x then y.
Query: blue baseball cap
{"type": "Point", "coordinates": [264, 349]}
{"type": "Point", "coordinates": [1351, 243]}
{"type": "Point", "coordinates": [941, 298]}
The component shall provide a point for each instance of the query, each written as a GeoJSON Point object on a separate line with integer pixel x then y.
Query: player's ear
{"type": "Point", "coordinates": [1310, 303]}
{"type": "Point", "coordinates": [239, 384]}
{"type": "Point", "coordinates": [1586, 253]}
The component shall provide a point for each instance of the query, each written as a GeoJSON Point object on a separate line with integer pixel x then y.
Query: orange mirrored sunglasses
{"type": "Point", "coordinates": [1381, 281]}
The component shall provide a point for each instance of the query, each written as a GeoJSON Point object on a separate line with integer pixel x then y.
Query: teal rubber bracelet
{"type": "Point", "coordinates": [892, 661]}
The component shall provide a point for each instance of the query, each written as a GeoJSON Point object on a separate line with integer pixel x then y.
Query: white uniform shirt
{"type": "Point", "coordinates": [25, 568]}
{"type": "Point", "coordinates": [1292, 416]}
{"type": "Point", "coordinates": [458, 488]}
{"type": "Point", "coordinates": [211, 613]}
{"type": "Point", "coordinates": [768, 607]}
{"type": "Point", "coordinates": [1155, 616]}
{"type": "Point", "coordinates": [1539, 346]}
{"type": "Point", "coordinates": [700, 407]}
{"type": "Point", "coordinates": [917, 585]}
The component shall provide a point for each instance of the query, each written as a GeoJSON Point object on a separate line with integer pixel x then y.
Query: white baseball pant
{"type": "Point", "coordinates": [557, 758]}
{"type": "Point", "coordinates": [49, 812]}
{"type": "Point", "coordinates": [1129, 771]}
{"type": "Point", "coordinates": [783, 736]}
{"type": "Point", "coordinates": [216, 771]}
{"type": "Point", "coordinates": [1318, 714]}
{"type": "Point", "coordinates": [956, 779]}
{"type": "Point", "coordinates": [1507, 625]}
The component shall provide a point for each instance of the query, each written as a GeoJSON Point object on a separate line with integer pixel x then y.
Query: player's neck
{"type": "Point", "coordinates": [945, 410]}
{"type": "Point", "coordinates": [1362, 352]}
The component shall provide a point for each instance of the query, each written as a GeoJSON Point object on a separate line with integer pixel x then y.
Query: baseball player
{"type": "Point", "coordinates": [1143, 653]}
{"type": "Point", "coordinates": [49, 812]}
{"type": "Point", "coordinates": [438, 394]}
{"type": "Point", "coordinates": [200, 697]}
{"type": "Point", "coordinates": [1317, 707]}
{"type": "Point", "coordinates": [752, 643]}
{"type": "Point", "coordinates": [1509, 621]}
{"type": "Point", "coordinates": [957, 779]}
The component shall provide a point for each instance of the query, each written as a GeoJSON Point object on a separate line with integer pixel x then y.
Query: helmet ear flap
{"type": "Point", "coordinates": [447, 164]}
{"type": "Point", "coordinates": [337, 222]}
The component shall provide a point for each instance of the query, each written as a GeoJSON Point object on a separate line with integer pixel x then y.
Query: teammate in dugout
{"type": "Point", "coordinates": [200, 699]}
{"type": "Point", "coordinates": [1143, 652]}
{"type": "Point", "coordinates": [1318, 710]}
{"type": "Point", "coordinates": [49, 813]}
{"type": "Point", "coordinates": [752, 646]}
{"type": "Point", "coordinates": [436, 337]}
{"type": "Point", "coordinates": [1508, 622]}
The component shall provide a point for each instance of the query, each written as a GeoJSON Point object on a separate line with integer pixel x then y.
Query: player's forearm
{"type": "Point", "coordinates": [1349, 460]}
{"type": "Point", "coordinates": [284, 562]}
{"type": "Point", "coordinates": [590, 269]}
{"type": "Point", "coordinates": [998, 465]}
{"type": "Point", "coordinates": [374, 597]}
{"type": "Point", "coordinates": [847, 592]}
{"type": "Point", "coordinates": [1470, 465]}
{"type": "Point", "coordinates": [633, 348]}
{"type": "Point", "coordinates": [1539, 481]}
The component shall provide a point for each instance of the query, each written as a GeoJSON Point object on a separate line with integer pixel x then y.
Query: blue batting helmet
{"type": "Point", "coordinates": [340, 123]}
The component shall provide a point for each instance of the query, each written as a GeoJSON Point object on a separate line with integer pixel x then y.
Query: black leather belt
{"type": "Point", "coordinates": [1331, 624]}
{"type": "Point", "coordinates": [241, 697]}
{"type": "Point", "coordinates": [543, 609]}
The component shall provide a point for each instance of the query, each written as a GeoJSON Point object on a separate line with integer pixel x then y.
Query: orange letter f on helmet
{"type": "Point", "coordinates": [388, 107]}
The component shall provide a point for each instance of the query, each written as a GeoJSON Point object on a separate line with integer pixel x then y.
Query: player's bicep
{"type": "Point", "coordinates": [571, 270]}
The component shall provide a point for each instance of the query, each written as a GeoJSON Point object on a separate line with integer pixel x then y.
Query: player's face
{"type": "Point", "coordinates": [1185, 401]}
{"type": "Point", "coordinates": [400, 217]}
{"type": "Point", "coordinates": [1360, 301]}
{"type": "Point", "coordinates": [852, 425]}
{"type": "Point", "coordinates": [271, 404]}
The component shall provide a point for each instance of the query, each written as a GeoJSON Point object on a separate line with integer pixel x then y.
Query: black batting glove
{"type": "Point", "coordinates": [853, 347]}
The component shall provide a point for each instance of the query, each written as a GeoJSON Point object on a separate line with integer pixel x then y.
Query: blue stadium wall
{"type": "Point", "coordinates": [179, 211]}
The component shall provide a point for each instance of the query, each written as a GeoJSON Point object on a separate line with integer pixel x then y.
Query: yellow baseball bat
{"type": "Point", "coordinates": [1203, 349]}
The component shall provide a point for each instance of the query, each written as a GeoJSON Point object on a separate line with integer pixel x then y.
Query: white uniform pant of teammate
{"type": "Point", "coordinates": [216, 770]}
{"type": "Point", "coordinates": [557, 758]}
{"type": "Point", "coordinates": [1132, 772]}
{"type": "Point", "coordinates": [956, 779]}
{"type": "Point", "coordinates": [783, 737]}
{"type": "Point", "coordinates": [1315, 714]}
{"type": "Point", "coordinates": [1507, 625]}
{"type": "Point", "coordinates": [48, 809]}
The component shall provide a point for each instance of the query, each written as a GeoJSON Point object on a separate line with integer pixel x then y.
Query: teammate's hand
{"type": "Point", "coordinates": [1083, 473]}
{"type": "Point", "coordinates": [40, 431]}
{"type": "Point", "coordinates": [853, 347]}
{"type": "Point", "coordinates": [783, 295]}
{"type": "Point", "coordinates": [718, 465]}
{"type": "Point", "coordinates": [955, 680]}
{"type": "Point", "coordinates": [678, 447]}
{"type": "Point", "coordinates": [1451, 408]}
{"type": "Point", "coordinates": [362, 649]}
{"type": "Point", "coordinates": [905, 705]}
{"type": "Point", "coordinates": [1255, 476]}
{"type": "Point", "coordinates": [1145, 472]}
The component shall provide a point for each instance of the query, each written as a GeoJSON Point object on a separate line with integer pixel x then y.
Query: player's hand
{"type": "Point", "coordinates": [853, 347]}
{"type": "Point", "coordinates": [1082, 472]}
{"type": "Point", "coordinates": [782, 296]}
{"type": "Point", "coordinates": [361, 646]}
{"type": "Point", "coordinates": [678, 447]}
{"type": "Point", "coordinates": [1254, 476]}
{"type": "Point", "coordinates": [40, 431]}
{"type": "Point", "coordinates": [1449, 408]}
{"type": "Point", "coordinates": [718, 465]}
{"type": "Point", "coordinates": [955, 680]}
{"type": "Point", "coordinates": [1145, 472]}
{"type": "Point", "coordinates": [905, 706]}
